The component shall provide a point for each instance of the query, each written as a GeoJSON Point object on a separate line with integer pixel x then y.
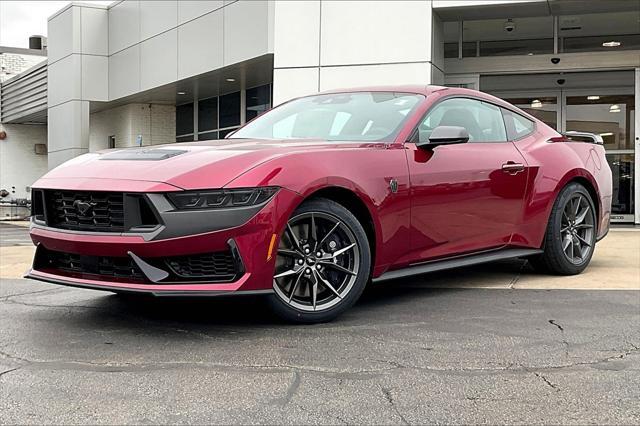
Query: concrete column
{"type": "Point", "coordinates": [78, 69]}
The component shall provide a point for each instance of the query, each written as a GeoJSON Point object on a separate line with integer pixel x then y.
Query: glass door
{"type": "Point", "coordinates": [611, 114]}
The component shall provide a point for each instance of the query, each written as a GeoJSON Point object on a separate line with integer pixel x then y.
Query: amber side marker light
{"type": "Point", "coordinates": [271, 245]}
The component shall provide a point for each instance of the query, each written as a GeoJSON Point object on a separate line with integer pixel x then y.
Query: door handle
{"type": "Point", "coordinates": [512, 167]}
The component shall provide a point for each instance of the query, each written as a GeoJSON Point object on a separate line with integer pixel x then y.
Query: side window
{"type": "Point", "coordinates": [482, 120]}
{"type": "Point", "coordinates": [517, 125]}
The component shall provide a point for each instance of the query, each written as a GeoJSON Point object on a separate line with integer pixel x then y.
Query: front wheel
{"type": "Point", "coordinates": [322, 265]}
{"type": "Point", "coordinates": [571, 233]}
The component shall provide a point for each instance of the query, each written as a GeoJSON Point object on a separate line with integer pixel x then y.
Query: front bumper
{"type": "Point", "coordinates": [253, 244]}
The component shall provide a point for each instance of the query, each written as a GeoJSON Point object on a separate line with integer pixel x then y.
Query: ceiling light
{"type": "Point", "coordinates": [536, 103]}
{"type": "Point", "coordinates": [182, 93]}
{"type": "Point", "coordinates": [231, 80]}
{"type": "Point", "coordinates": [611, 44]}
{"type": "Point", "coordinates": [614, 108]}
{"type": "Point", "coordinates": [606, 134]}
{"type": "Point", "coordinates": [593, 97]}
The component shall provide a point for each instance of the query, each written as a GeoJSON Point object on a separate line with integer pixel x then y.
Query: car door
{"type": "Point", "coordinates": [465, 197]}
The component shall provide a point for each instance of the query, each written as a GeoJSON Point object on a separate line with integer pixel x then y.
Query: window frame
{"type": "Point", "coordinates": [533, 129]}
{"type": "Point", "coordinates": [414, 133]}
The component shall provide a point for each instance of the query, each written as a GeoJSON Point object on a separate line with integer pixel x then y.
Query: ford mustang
{"type": "Point", "coordinates": [313, 200]}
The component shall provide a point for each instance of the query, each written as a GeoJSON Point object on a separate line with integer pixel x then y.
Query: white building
{"type": "Point", "coordinates": [151, 72]}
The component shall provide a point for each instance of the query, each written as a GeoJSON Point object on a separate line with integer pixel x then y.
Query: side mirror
{"type": "Point", "coordinates": [445, 135]}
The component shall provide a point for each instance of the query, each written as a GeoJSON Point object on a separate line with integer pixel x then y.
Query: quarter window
{"type": "Point", "coordinates": [517, 125]}
{"type": "Point", "coordinates": [482, 120]}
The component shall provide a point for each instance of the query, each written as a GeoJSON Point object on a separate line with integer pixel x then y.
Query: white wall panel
{"type": "Point", "coordinates": [157, 17]}
{"type": "Point", "coordinates": [124, 72]}
{"type": "Point", "coordinates": [371, 32]}
{"type": "Point", "coordinates": [297, 33]}
{"type": "Point", "coordinates": [369, 75]}
{"type": "Point", "coordinates": [95, 78]}
{"type": "Point", "coordinates": [59, 157]}
{"type": "Point", "coordinates": [290, 83]}
{"type": "Point", "coordinates": [158, 60]}
{"type": "Point", "coordinates": [94, 27]}
{"type": "Point", "coordinates": [191, 9]}
{"type": "Point", "coordinates": [200, 45]}
{"type": "Point", "coordinates": [124, 25]}
{"type": "Point", "coordinates": [246, 30]}
{"type": "Point", "coordinates": [66, 75]}
{"type": "Point", "coordinates": [64, 34]}
{"type": "Point", "coordinates": [68, 123]}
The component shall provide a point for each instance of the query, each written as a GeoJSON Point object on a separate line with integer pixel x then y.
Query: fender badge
{"type": "Point", "coordinates": [393, 184]}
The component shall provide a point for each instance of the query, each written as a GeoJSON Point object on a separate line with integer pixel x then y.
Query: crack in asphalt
{"type": "Point", "coordinates": [515, 279]}
{"type": "Point", "coordinates": [364, 374]}
{"type": "Point", "coordinates": [9, 296]}
{"type": "Point", "coordinates": [389, 397]}
{"type": "Point", "coordinates": [292, 389]}
{"type": "Point", "coordinates": [547, 381]}
{"type": "Point", "coordinates": [564, 339]}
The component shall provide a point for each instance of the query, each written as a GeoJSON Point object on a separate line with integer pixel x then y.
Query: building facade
{"type": "Point", "coordinates": [152, 72]}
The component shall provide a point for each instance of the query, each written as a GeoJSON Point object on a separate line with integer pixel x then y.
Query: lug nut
{"type": "Point", "coordinates": [300, 261]}
{"type": "Point", "coordinates": [307, 250]}
{"type": "Point", "coordinates": [318, 267]}
{"type": "Point", "coordinates": [319, 254]}
{"type": "Point", "coordinates": [307, 271]}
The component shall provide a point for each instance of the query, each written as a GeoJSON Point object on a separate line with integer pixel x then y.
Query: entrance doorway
{"type": "Point", "coordinates": [609, 112]}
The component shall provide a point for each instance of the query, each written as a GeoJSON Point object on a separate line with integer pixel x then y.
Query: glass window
{"type": "Point", "coordinates": [599, 31]}
{"type": "Point", "coordinates": [258, 101]}
{"type": "Point", "coordinates": [206, 136]}
{"type": "Point", "coordinates": [610, 116]}
{"type": "Point", "coordinates": [622, 168]}
{"type": "Point", "coordinates": [499, 37]}
{"type": "Point", "coordinates": [184, 119]}
{"type": "Point", "coordinates": [358, 116]}
{"type": "Point", "coordinates": [230, 110]}
{"type": "Point", "coordinates": [224, 133]}
{"type": "Point", "coordinates": [517, 125]}
{"type": "Point", "coordinates": [544, 108]}
{"type": "Point", "coordinates": [482, 120]}
{"type": "Point", "coordinates": [207, 114]}
{"type": "Point", "coordinates": [188, 138]}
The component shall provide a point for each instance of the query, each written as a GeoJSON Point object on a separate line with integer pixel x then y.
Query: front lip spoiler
{"type": "Point", "coordinates": [170, 293]}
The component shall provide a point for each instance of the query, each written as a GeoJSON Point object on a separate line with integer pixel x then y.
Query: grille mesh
{"type": "Point", "coordinates": [219, 265]}
{"type": "Point", "coordinates": [112, 267]}
{"type": "Point", "coordinates": [106, 213]}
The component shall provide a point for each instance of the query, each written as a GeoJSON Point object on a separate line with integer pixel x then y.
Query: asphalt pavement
{"type": "Point", "coordinates": [407, 353]}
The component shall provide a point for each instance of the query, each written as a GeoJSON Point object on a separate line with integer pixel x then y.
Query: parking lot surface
{"type": "Point", "coordinates": [490, 344]}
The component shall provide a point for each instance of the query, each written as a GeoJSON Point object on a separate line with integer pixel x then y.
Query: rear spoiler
{"type": "Point", "coordinates": [584, 137]}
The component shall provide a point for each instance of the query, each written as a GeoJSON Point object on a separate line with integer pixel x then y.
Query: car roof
{"type": "Point", "coordinates": [427, 90]}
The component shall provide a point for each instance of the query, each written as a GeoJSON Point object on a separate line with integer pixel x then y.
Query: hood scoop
{"type": "Point", "coordinates": [152, 154]}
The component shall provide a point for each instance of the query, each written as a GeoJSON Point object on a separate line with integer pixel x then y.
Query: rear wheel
{"type": "Point", "coordinates": [322, 265]}
{"type": "Point", "coordinates": [571, 233]}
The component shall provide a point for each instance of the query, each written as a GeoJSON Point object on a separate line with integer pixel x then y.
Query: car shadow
{"type": "Point", "coordinates": [140, 312]}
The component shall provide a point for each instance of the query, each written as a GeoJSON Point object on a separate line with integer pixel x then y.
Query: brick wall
{"type": "Point", "coordinates": [156, 123]}
{"type": "Point", "coordinates": [13, 63]}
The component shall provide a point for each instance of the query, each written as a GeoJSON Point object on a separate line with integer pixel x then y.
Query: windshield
{"type": "Point", "coordinates": [358, 116]}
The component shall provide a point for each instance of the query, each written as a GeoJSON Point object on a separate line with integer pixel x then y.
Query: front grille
{"type": "Point", "coordinates": [85, 211]}
{"type": "Point", "coordinates": [219, 266]}
{"type": "Point", "coordinates": [108, 267]}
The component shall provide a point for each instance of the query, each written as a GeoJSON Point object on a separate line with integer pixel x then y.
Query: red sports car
{"type": "Point", "coordinates": [316, 198]}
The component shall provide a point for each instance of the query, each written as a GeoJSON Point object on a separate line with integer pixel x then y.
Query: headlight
{"type": "Point", "coordinates": [221, 198]}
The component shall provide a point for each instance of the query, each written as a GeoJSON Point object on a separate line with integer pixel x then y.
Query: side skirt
{"type": "Point", "coordinates": [440, 265]}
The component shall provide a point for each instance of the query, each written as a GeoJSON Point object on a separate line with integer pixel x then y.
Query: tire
{"type": "Point", "coordinates": [570, 237]}
{"type": "Point", "coordinates": [319, 285]}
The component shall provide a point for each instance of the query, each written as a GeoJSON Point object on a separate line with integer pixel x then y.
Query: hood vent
{"type": "Point", "coordinates": [154, 154]}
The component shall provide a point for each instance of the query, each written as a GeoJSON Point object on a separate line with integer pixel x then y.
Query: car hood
{"type": "Point", "coordinates": [194, 165]}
